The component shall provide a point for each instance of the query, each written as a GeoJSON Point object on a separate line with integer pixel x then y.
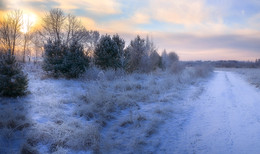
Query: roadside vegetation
{"type": "Point", "coordinates": [89, 92]}
{"type": "Point", "coordinates": [252, 75]}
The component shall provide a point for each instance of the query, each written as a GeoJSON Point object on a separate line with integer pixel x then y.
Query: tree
{"type": "Point", "coordinates": [150, 47]}
{"type": "Point", "coordinates": [169, 59]}
{"type": "Point", "coordinates": [121, 45]}
{"type": "Point", "coordinates": [75, 61]}
{"type": "Point", "coordinates": [10, 30]}
{"type": "Point", "coordinates": [93, 38]}
{"type": "Point", "coordinates": [170, 62]}
{"type": "Point", "coordinates": [38, 44]}
{"type": "Point", "coordinates": [28, 35]}
{"type": "Point", "coordinates": [164, 59]}
{"type": "Point", "coordinates": [91, 43]}
{"type": "Point", "coordinates": [74, 30]}
{"type": "Point", "coordinates": [173, 57]}
{"type": "Point", "coordinates": [53, 24]}
{"type": "Point", "coordinates": [135, 52]}
{"type": "Point", "coordinates": [141, 55]}
{"type": "Point", "coordinates": [57, 26]}
{"type": "Point", "coordinates": [154, 61]}
{"type": "Point", "coordinates": [61, 60]}
{"type": "Point", "coordinates": [107, 54]}
{"type": "Point", "coordinates": [55, 53]}
{"type": "Point", "coordinates": [13, 82]}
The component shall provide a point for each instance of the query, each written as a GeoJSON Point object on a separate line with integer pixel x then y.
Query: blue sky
{"type": "Point", "coordinates": [195, 29]}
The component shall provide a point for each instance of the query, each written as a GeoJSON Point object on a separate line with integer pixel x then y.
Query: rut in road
{"type": "Point", "coordinates": [226, 119]}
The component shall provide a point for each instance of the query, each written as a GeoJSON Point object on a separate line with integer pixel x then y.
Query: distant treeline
{"type": "Point", "coordinates": [226, 63]}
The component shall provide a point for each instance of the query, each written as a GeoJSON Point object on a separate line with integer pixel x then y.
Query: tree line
{"type": "Point", "coordinates": [69, 49]}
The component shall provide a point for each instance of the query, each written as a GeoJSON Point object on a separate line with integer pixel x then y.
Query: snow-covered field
{"type": "Point", "coordinates": [252, 75]}
{"type": "Point", "coordinates": [112, 112]}
{"type": "Point", "coordinates": [107, 112]}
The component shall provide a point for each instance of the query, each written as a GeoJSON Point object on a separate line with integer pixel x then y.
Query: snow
{"type": "Point", "coordinates": [141, 113]}
{"type": "Point", "coordinates": [225, 118]}
{"type": "Point", "coordinates": [67, 114]}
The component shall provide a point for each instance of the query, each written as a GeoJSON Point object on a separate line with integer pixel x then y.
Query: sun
{"type": "Point", "coordinates": [28, 21]}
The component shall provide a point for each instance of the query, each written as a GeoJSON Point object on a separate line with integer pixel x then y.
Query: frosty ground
{"type": "Point", "coordinates": [225, 119]}
{"type": "Point", "coordinates": [112, 112]}
{"type": "Point", "coordinates": [104, 111]}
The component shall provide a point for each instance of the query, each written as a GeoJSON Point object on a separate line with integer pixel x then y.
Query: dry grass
{"type": "Point", "coordinates": [14, 124]}
{"type": "Point", "coordinates": [100, 112]}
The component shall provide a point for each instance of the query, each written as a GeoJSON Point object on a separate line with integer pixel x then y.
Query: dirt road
{"type": "Point", "coordinates": [225, 119]}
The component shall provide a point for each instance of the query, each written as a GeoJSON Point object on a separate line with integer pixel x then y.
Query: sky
{"type": "Point", "coordinates": [194, 29]}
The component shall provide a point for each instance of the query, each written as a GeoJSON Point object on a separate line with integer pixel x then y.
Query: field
{"type": "Point", "coordinates": [103, 111]}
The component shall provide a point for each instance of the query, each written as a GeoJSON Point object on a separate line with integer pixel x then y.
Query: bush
{"type": "Point", "coordinates": [176, 67]}
{"type": "Point", "coordinates": [155, 60]}
{"type": "Point", "coordinates": [169, 60]}
{"type": "Point", "coordinates": [13, 82]}
{"type": "Point", "coordinates": [203, 70]}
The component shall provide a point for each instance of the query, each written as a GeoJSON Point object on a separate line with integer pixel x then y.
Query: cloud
{"type": "Point", "coordinates": [190, 46]}
{"type": "Point", "coordinates": [104, 7]}
{"type": "Point", "coordinates": [2, 5]}
{"type": "Point", "coordinates": [192, 28]}
{"type": "Point", "coordinates": [140, 18]}
{"type": "Point", "coordinates": [218, 54]}
{"type": "Point", "coordinates": [254, 21]}
{"type": "Point", "coordinates": [180, 12]}
{"type": "Point", "coordinates": [183, 12]}
{"type": "Point", "coordinates": [89, 23]}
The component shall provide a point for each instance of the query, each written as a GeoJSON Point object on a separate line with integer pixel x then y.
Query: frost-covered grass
{"type": "Point", "coordinates": [14, 124]}
{"type": "Point", "coordinates": [103, 111]}
{"type": "Point", "coordinates": [252, 75]}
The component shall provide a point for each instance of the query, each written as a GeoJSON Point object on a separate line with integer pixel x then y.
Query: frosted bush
{"type": "Point", "coordinates": [92, 73]}
{"type": "Point", "coordinates": [202, 70]}
{"type": "Point", "coordinates": [176, 67]}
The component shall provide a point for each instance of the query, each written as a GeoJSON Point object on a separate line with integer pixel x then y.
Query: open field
{"type": "Point", "coordinates": [103, 111]}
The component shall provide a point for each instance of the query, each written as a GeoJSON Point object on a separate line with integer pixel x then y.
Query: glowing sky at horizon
{"type": "Point", "coordinates": [195, 29]}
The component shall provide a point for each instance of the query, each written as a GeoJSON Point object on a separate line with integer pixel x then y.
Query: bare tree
{"type": "Point", "coordinates": [92, 38]}
{"type": "Point", "coordinates": [74, 29]}
{"type": "Point", "coordinates": [38, 43]}
{"type": "Point", "coordinates": [57, 26]}
{"type": "Point", "coordinates": [28, 35]}
{"type": "Point", "coordinates": [10, 30]}
{"type": "Point", "coordinates": [53, 24]}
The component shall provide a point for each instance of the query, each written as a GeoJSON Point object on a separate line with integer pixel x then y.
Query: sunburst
{"type": "Point", "coordinates": [29, 20]}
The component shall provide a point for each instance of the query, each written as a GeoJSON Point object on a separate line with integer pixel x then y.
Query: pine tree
{"type": "Point", "coordinates": [107, 54]}
{"type": "Point", "coordinates": [121, 45]}
{"type": "Point", "coordinates": [75, 61]}
{"type": "Point", "coordinates": [136, 52]}
{"type": "Point", "coordinates": [64, 61]}
{"type": "Point", "coordinates": [13, 82]}
{"type": "Point", "coordinates": [53, 58]}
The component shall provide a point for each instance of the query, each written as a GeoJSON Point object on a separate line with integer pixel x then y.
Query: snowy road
{"type": "Point", "coordinates": [226, 119]}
